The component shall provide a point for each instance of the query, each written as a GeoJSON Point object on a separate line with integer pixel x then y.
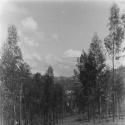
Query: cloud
{"type": "Point", "coordinates": [39, 63]}
{"type": "Point", "coordinates": [27, 42]}
{"type": "Point", "coordinates": [34, 57]}
{"type": "Point", "coordinates": [55, 37]}
{"type": "Point", "coordinates": [72, 53]}
{"type": "Point", "coordinates": [52, 60]}
{"type": "Point", "coordinates": [29, 32]}
{"type": "Point", "coordinates": [121, 5]}
{"type": "Point", "coordinates": [61, 65]}
{"type": "Point", "coordinates": [30, 29]}
{"type": "Point", "coordinates": [30, 42]}
{"type": "Point", "coordinates": [12, 7]}
{"type": "Point", "coordinates": [29, 23]}
{"type": "Point", "coordinates": [2, 5]}
{"type": "Point", "coordinates": [8, 12]}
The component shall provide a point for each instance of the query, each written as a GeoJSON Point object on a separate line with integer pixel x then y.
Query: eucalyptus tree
{"type": "Point", "coordinates": [113, 42]}
{"type": "Point", "coordinates": [48, 90]}
{"type": "Point", "coordinates": [10, 58]}
{"type": "Point", "coordinates": [13, 73]}
{"type": "Point", "coordinates": [98, 66]}
{"type": "Point", "coordinates": [91, 68]}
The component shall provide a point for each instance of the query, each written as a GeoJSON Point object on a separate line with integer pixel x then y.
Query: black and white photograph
{"type": "Point", "coordinates": [62, 62]}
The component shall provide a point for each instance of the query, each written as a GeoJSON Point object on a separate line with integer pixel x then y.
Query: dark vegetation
{"type": "Point", "coordinates": [96, 91]}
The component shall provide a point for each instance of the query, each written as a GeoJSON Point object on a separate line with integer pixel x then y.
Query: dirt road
{"type": "Point", "coordinates": [72, 120]}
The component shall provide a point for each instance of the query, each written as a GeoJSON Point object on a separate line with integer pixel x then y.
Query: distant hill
{"type": "Point", "coordinates": [67, 82]}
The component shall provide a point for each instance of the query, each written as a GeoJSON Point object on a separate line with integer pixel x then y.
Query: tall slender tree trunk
{"type": "Point", "coordinates": [1, 108]}
{"type": "Point", "coordinates": [100, 109]}
{"type": "Point", "coordinates": [21, 103]}
{"type": "Point", "coordinates": [14, 110]}
{"type": "Point", "coordinates": [107, 109]}
{"type": "Point", "coordinates": [94, 114]}
{"type": "Point", "coordinates": [113, 59]}
{"type": "Point", "coordinates": [88, 112]}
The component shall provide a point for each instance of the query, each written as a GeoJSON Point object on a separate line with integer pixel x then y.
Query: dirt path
{"type": "Point", "coordinates": [72, 120]}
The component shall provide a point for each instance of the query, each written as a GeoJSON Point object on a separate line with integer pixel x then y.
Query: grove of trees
{"type": "Point", "coordinates": [96, 91]}
{"type": "Point", "coordinates": [27, 98]}
{"type": "Point", "coordinates": [102, 92]}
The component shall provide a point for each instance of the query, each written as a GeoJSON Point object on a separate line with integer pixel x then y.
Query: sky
{"type": "Point", "coordinates": [55, 32]}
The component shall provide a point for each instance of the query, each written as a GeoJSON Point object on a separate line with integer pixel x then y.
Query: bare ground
{"type": "Point", "coordinates": [72, 120]}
